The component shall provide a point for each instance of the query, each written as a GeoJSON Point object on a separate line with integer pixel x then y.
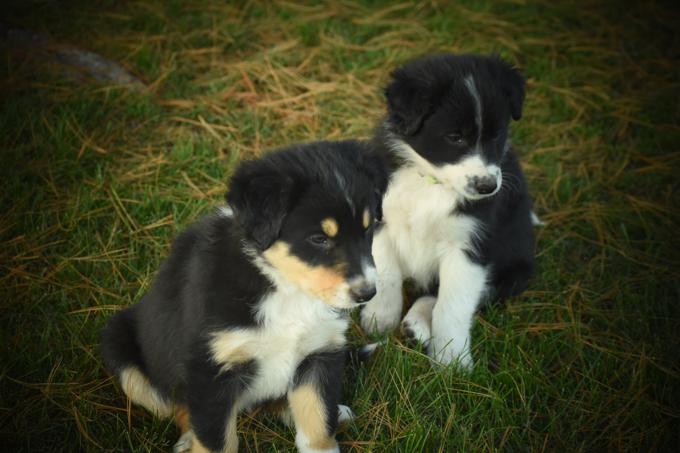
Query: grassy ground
{"type": "Point", "coordinates": [96, 181]}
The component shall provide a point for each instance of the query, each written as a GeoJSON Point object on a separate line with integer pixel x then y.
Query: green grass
{"type": "Point", "coordinates": [96, 181]}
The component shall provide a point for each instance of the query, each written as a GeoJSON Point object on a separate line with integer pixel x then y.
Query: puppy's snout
{"type": "Point", "coordinates": [363, 291]}
{"type": "Point", "coordinates": [485, 185]}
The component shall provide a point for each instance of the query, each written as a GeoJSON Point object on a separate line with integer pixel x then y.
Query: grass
{"type": "Point", "coordinates": [97, 179]}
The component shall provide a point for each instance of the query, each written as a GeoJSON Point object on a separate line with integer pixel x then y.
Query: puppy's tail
{"type": "Point", "coordinates": [120, 349]}
{"type": "Point", "coordinates": [122, 358]}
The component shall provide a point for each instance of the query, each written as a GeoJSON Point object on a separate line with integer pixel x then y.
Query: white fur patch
{"type": "Point", "coordinates": [184, 443]}
{"type": "Point", "coordinates": [342, 184]}
{"type": "Point", "coordinates": [369, 276]}
{"type": "Point", "coordinates": [368, 350]}
{"type": "Point", "coordinates": [369, 272]}
{"type": "Point", "coordinates": [225, 211]}
{"type": "Point", "coordinates": [536, 220]}
{"type": "Point", "coordinates": [345, 414]}
{"type": "Point", "coordinates": [469, 82]}
{"type": "Point", "coordinates": [292, 325]}
{"type": "Point", "coordinates": [421, 225]}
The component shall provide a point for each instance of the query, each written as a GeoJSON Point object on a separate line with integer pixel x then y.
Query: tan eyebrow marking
{"type": "Point", "coordinates": [366, 219]}
{"type": "Point", "coordinates": [330, 226]}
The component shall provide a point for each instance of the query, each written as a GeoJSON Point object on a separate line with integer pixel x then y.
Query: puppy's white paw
{"type": "Point", "coordinates": [286, 417]}
{"type": "Point", "coordinates": [381, 314]}
{"type": "Point", "coordinates": [302, 443]}
{"type": "Point", "coordinates": [345, 414]}
{"type": "Point", "coordinates": [184, 443]}
{"type": "Point", "coordinates": [456, 352]}
{"type": "Point", "coordinates": [418, 321]}
{"type": "Point", "coordinates": [536, 220]}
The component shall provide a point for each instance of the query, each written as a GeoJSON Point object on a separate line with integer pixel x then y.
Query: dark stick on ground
{"type": "Point", "coordinates": [78, 63]}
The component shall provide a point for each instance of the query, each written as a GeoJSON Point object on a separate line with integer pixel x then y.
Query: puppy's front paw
{"type": "Point", "coordinates": [305, 445]}
{"type": "Point", "coordinates": [380, 315]}
{"type": "Point", "coordinates": [446, 353]}
{"type": "Point", "coordinates": [184, 443]}
{"type": "Point", "coordinates": [345, 414]}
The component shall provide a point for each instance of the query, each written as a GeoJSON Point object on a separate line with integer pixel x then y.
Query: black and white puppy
{"type": "Point", "coordinates": [253, 302]}
{"type": "Point", "coordinates": [457, 214]}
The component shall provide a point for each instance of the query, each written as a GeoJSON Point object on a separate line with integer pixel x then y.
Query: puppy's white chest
{"type": "Point", "coordinates": [293, 326]}
{"type": "Point", "coordinates": [421, 223]}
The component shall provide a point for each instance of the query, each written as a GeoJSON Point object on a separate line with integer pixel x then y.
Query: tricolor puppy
{"type": "Point", "coordinates": [253, 302]}
{"type": "Point", "coordinates": [457, 214]}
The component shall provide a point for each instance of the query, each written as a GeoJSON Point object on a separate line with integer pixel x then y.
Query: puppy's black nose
{"type": "Point", "coordinates": [486, 185]}
{"type": "Point", "coordinates": [363, 293]}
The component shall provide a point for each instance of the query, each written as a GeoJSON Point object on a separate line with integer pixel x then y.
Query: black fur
{"type": "Point", "coordinates": [428, 104]}
{"type": "Point", "coordinates": [213, 395]}
{"type": "Point", "coordinates": [210, 283]}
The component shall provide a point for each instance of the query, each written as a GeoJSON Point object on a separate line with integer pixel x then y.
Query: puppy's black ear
{"type": "Point", "coordinates": [513, 86]}
{"type": "Point", "coordinates": [260, 199]}
{"type": "Point", "coordinates": [407, 103]}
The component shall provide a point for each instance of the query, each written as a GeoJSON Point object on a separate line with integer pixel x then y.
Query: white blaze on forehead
{"type": "Point", "coordinates": [342, 183]}
{"type": "Point", "coordinates": [472, 88]}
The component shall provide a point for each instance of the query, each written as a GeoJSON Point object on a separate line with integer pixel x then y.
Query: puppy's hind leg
{"type": "Point", "coordinates": [417, 324]}
{"type": "Point", "coordinates": [185, 441]}
{"type": "Point", "coordinates": [213, 395]}
{"type": "Point", "coordinates": [314, 402]}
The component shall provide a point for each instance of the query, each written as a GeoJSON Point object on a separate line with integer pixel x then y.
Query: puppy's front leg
{"type": "Point", "coordinates": [383, 312]}
{"type": "Point", "coordinates": [314, 399]}
{"type": "Point", "coordinates": [462, 284]}
{"type": "Point", "coordinates": [213, 396]}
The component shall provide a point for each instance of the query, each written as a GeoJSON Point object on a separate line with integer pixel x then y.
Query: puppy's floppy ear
{"type": "Point", "coordinates": [513, 87]}
{"type": "Point", "coordinates": [407, 103]}
{"type": "Point", "coordinates": [260, 198]}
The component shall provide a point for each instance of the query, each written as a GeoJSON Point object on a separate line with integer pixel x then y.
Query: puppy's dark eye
{"type": "Point", "coordinates": [319, 240]}
{"type": "Point", "coordinates": [455, 138]}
